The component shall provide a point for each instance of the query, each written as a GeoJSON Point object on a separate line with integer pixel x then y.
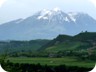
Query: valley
{"type": "Point", "coordinates": [64, 51]}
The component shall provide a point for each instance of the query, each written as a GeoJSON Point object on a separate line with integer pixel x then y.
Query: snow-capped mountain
{"type": "Point", "coordinates": [47, 24]}
{"type": "Point", "coordinates": [50, 14]}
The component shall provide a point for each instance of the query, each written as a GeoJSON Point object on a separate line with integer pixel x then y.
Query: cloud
{"type": "Point", "coordinates": [2, 2]}
{"type": "Point", "coordinates": [93, 2]}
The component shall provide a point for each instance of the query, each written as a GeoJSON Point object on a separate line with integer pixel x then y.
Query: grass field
{"type": "Point", "coordinates": [54, 61]}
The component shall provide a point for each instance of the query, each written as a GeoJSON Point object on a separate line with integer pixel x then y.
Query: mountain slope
{"type": "Point", "coordinates": [82, 41]}
{"type": "Point", "coordinates": [47, 24]}
{"type": "Point", "coordinates": [19, 46]}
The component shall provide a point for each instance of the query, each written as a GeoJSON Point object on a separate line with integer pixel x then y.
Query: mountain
{"type": "Point", "coordinates": [47, 24]}
{"type": "Point", "coordinates": [82, 41]}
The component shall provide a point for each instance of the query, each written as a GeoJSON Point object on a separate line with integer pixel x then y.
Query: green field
{"type": "Point", "coordinates": [53, 61]}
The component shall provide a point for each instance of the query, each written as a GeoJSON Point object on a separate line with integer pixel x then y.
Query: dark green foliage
{"type": "Point", "coordinates": [59, 39]}
{"type": "Point", "coordinates": [82, 46]}
{"type": "Point", "coordinates": [21, 46]}
{"type": "Point", "coordinates": [15, 67]}
{"type": "Point", "coordinates": [86, 36]}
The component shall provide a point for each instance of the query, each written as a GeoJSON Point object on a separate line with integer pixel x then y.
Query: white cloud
{"type": "Point", "coordinates": [94, 2]}
{"type": "Point", "coordinates": [2, 2]}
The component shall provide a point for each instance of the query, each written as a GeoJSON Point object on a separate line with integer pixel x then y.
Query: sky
{"type": "Point", "coordinates": [15, 9]}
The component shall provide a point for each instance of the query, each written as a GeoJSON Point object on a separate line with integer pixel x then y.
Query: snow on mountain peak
{"type": "Point", "coordinates": [72, 16]}
{"type": "Point", "coordinates": [67, 19]}
{"type": "Point", "coordinates": [56, 9]}
{"type": "Point", "coordinates": [49, 14]}
{"type": "Point", "coordinates": [45, 14]}
{"type": "Point", "coordinates": [45, 11]}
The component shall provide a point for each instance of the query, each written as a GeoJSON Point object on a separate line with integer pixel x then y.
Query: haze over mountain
{"type": "Point", "coordinates": [47, 24]}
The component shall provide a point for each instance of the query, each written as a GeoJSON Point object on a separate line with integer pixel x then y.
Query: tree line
{"type": "Point", "coordinates": [16, 67]}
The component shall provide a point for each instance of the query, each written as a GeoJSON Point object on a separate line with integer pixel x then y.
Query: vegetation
{"type": "Point", "coordinates": [17, 67]}
{"type": "Point", "coordinates": [69, 61]}
{"type": "Point", "coordinates": [63, 52]}
{"type": "Point", "coordinates": [21, 46]}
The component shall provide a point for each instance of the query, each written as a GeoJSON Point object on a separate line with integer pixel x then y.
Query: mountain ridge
{"type": "Point", "coordinates": [81, 41]}
{"type": "Point", "coordinates": [47, 24]}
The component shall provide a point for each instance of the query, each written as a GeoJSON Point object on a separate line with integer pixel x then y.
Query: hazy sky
{"type": "Point", "coordinates": [14, 9]}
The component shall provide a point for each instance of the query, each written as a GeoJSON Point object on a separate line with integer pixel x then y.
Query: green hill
{"type": "Point", "coordinates": [67, 46]}
{"type": "Point", "coordinates": [81, 45]}
{"type": "Point", "coordinates": [17, 46]}
{"type": "Point", "coordinates": [85, 39]}
{"type": "Point", "coordinates": [58, 40]}
{"type": "Point", "coordinates": [86, 36]}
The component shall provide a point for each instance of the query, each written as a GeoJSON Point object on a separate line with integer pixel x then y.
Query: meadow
{"type": "Point", "coordinates": [69, 61]}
